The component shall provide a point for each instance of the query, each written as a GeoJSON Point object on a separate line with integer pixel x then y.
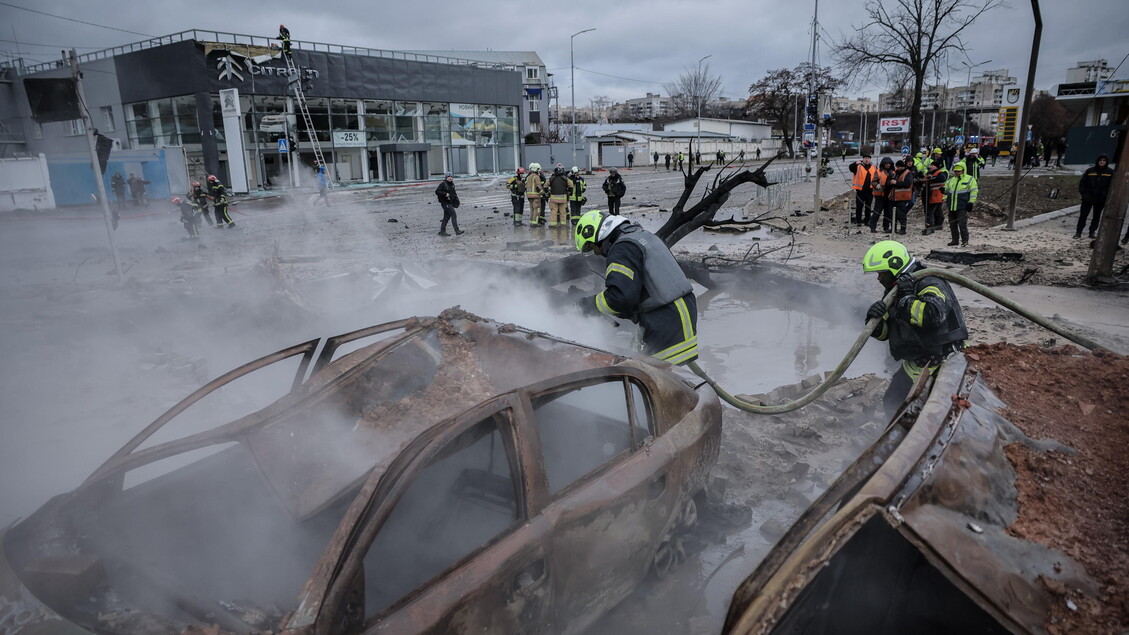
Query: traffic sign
{"type": "Point", "coordinates": [283, 146]}
{"type": "Point", "coordinates": [809, 127]}
{"type": "Point", "coordinates": [959, 140]}
{"type": "Point", "coordinates": [905, 149]}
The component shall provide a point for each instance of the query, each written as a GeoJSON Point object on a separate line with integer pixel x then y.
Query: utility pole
{"type": "Point", "coordinates": [89, 125]}
{"type": "Point", "coordinates": [572, 81]}
{"type": "Point", "coordinates": [700, 86]}
{"type": "Point", "coordinates": [1105, 247]}
{"type": "Point", "coordinates": [818, 138]}
{"type": "Point", "coordinates": [1021, 142]}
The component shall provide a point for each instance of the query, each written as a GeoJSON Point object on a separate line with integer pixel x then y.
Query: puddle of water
{"type": "Point", "coordinates": [753, 348]}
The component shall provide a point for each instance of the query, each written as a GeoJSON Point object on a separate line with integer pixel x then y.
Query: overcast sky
{"type": "Point", "coordinates": [636, 48]}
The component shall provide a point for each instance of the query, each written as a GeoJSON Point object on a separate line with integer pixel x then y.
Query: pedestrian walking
{"type": "Point", "coordinates": [576, 196]}
{"type": "Point", "coordinates": [516, 186]}
{"type": "Point", "coordinates": [961, 191]}
{"type": "Point", "coordinates": [924, 326]}
{"type": "Point", "coordinates": [449, 199]}
{"type": "Point", "coordinates": [741, 157]}
{"type": "Point", "coordinates": [218, 193]}
{"type": "Point", "coordinates": [682, 158]}
{"type": "Point", "coordinates": [668, 162]}
{"type": "Point", "coordinates": [615, 188]}
{"type": "Point", "coordinates": [1094, 188]}
{"type": "Point", "coordinates": [643, 284]}
{"type": "Point", "coordinates": [655, 160]}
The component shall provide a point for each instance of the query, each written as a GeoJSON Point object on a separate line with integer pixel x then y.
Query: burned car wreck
{"type": "Point", "coordinates": [914, 536]}
{"type": "Point", "coordinates": [454, 475]}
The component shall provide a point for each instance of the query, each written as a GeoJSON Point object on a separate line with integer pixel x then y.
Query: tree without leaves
{"type": "Point", "coordinates": [775, 96]}
{"type": "Point", "coordinates": [693, 87]}
{"type": "Point", "coordinates": [910, 36]}
{"type": "Point", "coordinates": [1049, 119]}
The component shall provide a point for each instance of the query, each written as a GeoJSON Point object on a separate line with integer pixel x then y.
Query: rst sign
{"type": "Point", "coordinates": [898, 124]}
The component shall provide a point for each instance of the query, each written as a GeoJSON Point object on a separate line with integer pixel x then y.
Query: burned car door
{"type": "Point", "coordinates": [451, 550]}
{"type": "Point", "coordinates": [610, 492]}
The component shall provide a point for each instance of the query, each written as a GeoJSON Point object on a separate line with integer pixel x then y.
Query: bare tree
{"type": "Point", "coordinates": [694, 87]}
{"type": "Point", "coordinates": [910, 36]}
{"type": "Point", "coordinates": [600, 105]}
{"type": "Point", "coordinates": [774, 97]}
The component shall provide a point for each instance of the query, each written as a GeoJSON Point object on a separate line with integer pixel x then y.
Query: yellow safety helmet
{"type": "Point", "coordinates": [595, 226]}
{"type": "Point", "coordinates": [887, 255]}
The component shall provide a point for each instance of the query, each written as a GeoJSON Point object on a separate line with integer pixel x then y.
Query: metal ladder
{"type": "Point", "coordinates": [295, 80]}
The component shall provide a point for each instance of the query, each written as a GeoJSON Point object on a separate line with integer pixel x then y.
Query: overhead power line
{"type": "Point", "coordinates": [52, 15]}
{"type": "Point", "coordinates": [628, 79]}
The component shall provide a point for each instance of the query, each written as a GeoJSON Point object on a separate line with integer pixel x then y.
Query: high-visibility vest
{"type": "Point", "coordinates": [903, 185]}
{"type": "Point", "coordinates": [960, 192]}
{"type": "Point", "coordinates": [864, 174]}
{"type": "Point", "coordinates": [878, 184]}
{"type": "Point", "coordinates": [937, 178]}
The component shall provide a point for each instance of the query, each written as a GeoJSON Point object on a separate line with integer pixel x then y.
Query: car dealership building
{"type": "Point", "coordinates": [378, 115]}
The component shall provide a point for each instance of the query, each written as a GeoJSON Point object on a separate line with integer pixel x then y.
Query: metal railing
{"type": "Point", "coordinates": [200, 35]}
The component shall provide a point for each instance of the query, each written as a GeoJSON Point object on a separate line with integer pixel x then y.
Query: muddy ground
{"type": "Point", "coordinates": [91, 361]}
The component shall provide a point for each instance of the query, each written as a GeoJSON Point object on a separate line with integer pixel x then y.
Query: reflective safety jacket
{"type": "Point", "coordinates": [883, 182]}
{"type": "Point", "coordinates": [1095, 182]}
{"type": "Point", "coordinates": [579, 187]}
{"type": "Point", "coordinates": [935, 182]}
{"type": "Point", "coordinates": [864, 174]}
{"type": "Point", "coordinates": [534, 186]}
{"type": "Point", "coordinates": [644, 283]}
{"type": "Point", "coordinates": [924, 327]}
{"type": "Point", "coordinates": [199, 196]}
{"type": "Point", "coordinates": [559, 187]}
{"type": "Point", "coordinates": [188, 209]}
{"type": "Point", "coordinates": [902, 185]}
{"type": "Point", "coordinates": [218, 192]}
{"type": "Point", "coordinates": [516, 186]}
{"type": "Point", "coordinates": [972, 165]}
{"type": "Point", "coordinates": [960, 193]}
{"type": "Point", "coordinates": [615, 186]}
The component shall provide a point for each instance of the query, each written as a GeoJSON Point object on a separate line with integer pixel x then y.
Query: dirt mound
{"type": "Point", "coordinates": [1074, 503]}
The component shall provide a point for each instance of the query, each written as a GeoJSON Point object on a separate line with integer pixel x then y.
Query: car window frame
{"type": "Point", "coordinates": [541, 495]}
{"type": "Point", "coordinates": [340, 567]}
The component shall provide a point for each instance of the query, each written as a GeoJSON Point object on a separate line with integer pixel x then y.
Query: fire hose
{"type": "Point", "coordinates": [830, 380]}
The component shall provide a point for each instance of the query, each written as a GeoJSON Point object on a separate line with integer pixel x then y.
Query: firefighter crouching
{"type": "Point", "coordinates": [925, 324]}
{"type": "Point", "coordinates": [643, 283]}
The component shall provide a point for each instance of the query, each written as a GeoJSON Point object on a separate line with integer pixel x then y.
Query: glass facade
{"type": "Point", "coordinates": [491, 129]}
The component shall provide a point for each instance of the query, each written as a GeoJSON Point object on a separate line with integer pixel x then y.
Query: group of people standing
{"type": "Point", "coordinates": [564, 192]}
{"type": "Point", "coordinates": [889, 190]}
{"type": "Point", "coordinates": [194, 206]}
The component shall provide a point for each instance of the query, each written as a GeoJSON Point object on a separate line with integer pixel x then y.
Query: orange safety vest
{"type": "Point", "coordinates": [863, 176]}
{"type": "Point", "coordinates": [937, 185]}
{"type": "Point", "coordinates": [903, 185]}
{"type": "Point", "coordinates": [878, 183]}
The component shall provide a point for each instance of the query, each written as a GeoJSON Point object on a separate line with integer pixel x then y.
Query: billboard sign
{"type": "Point", "coordinates": [893, 124]}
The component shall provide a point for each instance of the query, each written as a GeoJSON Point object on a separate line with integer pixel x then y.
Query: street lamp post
{"type": "Point", "coordinates": [968, 85]}
{"type": "Point", "coordinates": [572, 67]}
{"type": "Point", "coordinates": [698, 80]}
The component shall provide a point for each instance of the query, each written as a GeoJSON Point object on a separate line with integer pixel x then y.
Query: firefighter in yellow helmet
{"type": "Point", "coordinates": [925, 324]}
{"type": "Point", "coordinates": [643, 283]}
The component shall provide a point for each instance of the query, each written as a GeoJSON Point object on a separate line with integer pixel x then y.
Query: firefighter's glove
{"type": "Point", "coordinates": [906, 284]}
{"type": "Point", "coordinates": [587, 306]}
{"type": "Point", "coordinates": [876, 310]}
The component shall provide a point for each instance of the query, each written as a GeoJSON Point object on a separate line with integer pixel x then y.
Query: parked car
{"type": "Point", "coordinates": [457, 475]}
